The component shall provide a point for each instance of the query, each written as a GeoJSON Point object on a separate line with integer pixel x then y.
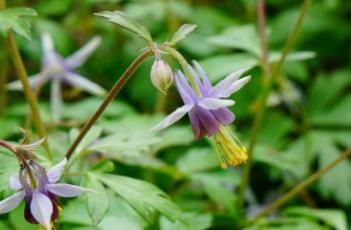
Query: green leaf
{"type": "Point", "coordinates": [145, 198]}
{"type": "Point", "coordinates": [335, 82]}
{"type": "Point", "coordinates": [219, 187]}
{"type": "Point", "coordinates": [182, 32]}
{"type": "Point", "coordinates": [105, 166]}
{"type": "Point", "coordinates": [12, 19]}
{"type": "Point", "coordinates": [173, 136]}
{"type": "Point", "coordinates": [218, 66]}
{"type": "Point", "coordinates": [198, 221]}
{"type": "Point", "coordinates": [337, 182]}
{"type": "Point", "coordinates": [89, 105]}
{"type": "Point", "coordinates": [197, 159]}
{"type": "Point", "coordinates": [91, 136]}
{"type": "Point", "coordinates": [239, 37]}
{"type": "Point", "coordinates": [332, 217]}
{"type": "Point", "coordinates": [97, 203]}
{"type": "Point", "coordinates": [294, 56]}
{"type": "Point", "coordinates": [127, 23]}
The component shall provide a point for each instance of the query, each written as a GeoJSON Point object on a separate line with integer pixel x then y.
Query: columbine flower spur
{"type": "Point", "coordinates": [59, 69]}
{"type": "Point", "coordinates": [208, 112]}
{"type": "Point", "coordinates": [38, 188]}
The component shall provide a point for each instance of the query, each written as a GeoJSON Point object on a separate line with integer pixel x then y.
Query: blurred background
{"type": "Point", "coordinates": [307, 122]}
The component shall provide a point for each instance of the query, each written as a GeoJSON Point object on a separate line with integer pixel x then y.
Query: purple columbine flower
{"type": "Point", "coordinates": [59, 69]}
{"type": "Point", "coordinates": [208, 112]}
{"type": "Point", "coordinates": [39, 189]}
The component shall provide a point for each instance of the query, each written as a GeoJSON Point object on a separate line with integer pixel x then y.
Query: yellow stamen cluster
{"type": "Point", "coordinates": [230, 150]}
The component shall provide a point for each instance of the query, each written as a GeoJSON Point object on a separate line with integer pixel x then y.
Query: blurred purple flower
{"type": "Point", "coordinates": [208, 111]}
{"type": "Point", "coordinates": [59, 69]}
{"type": "Point", "coordinates": [39, 189]}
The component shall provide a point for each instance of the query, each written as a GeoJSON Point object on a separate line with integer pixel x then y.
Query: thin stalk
{"type": "Point", "coordinates": [109, 97]}
{"type": "Point", "coordinates": [3, 81]}
{"type": "Point", "coordinates": [261, 18]}
{"type": "Point", "coordinates": [262, 100]}
{"type": "Point", "coordinates": [185, 66]}
{"type": "Point", "coordinates": [300, 187]}
{"type": "Point", "coordinates": [33, 104]}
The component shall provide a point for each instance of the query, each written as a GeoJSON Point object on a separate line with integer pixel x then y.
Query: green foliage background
{"type": "Point", "coordinates": [307, 123]}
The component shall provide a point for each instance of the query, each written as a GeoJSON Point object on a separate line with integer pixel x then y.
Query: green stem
{"type": "Point", "coordinates": [261, 18]}
{"type": "Point", "coordinates": [300, 187]}
{"type": "Point", "coordinates": [262, 101]}
{"type": "Point", "coordinates": [185, 67]}
{"type": "Point", "coordinates": [33, 104]}
{"type": "Point", "coordinates": [109, 97]}
{"type": "Point", "coordinates": [3, 81]}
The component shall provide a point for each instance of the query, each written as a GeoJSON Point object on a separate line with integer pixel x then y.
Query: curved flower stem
{"type": "Point", "coordinates": [298, 188]}
{"type": "Point", "coordinates": [185, 66]}
{"type": "Point", "coordinates": [109, 97]}
{"type": "Point", "coordinates": [33, 104]}
{"type": "Point", "coordinates": [263, 98]}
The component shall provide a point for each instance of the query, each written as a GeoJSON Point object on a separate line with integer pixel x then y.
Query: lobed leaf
{"type": "Point", "coordinates": [183, 32]}
{"type": "Point", "coordinates": [143, 197]}
{"type": "Point", "coordinates": [14, 19]}
{"type": "Point", "coordinates": [127, 23]}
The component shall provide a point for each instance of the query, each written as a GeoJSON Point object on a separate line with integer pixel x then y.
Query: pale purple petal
{"type": "Point", "coordinates": [186, 92]}
{"type": "Point", "coordinates": [79, 57]}
{"type": "Point", "coordinates": [205, 120]}
{"type": "Point", "coordinates": [54, 174]}
{"type": "Point", "coordinates": [215, 103]}
{"type": "Point", "coordinates": [66, 190]}
{"type": "Point", "coordinates": [196, 125]}
{"type": "Point", "coordinates": [233, 87]}
{"type": "Point", "coordinates": [229, 80]}
{"type": "Point", "coordinates": [14, 182]}
{"type": "Point", "coordinates": [47, 43]}
{"type": "Point", "coordinates": [50, 57]}
{"type": "Point", "coordinates": [203, 75]}
{"type": "Point", "coordinates": [56, 99]}
{"type": "Point", "coordinates": [173, 117]}
{"type": "Point", "coordinates": [83, 83]}
{"type": "Point", "coordinates": [41, 209]}
{"type": "Point", "coordinates": [11, 202]}
{"type": "Point", "coordinates": [224, 115]}
{"type": "Point", "coordinates": [33, 82]}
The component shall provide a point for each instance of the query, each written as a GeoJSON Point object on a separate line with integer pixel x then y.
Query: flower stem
{"type": "Point", "coordinates": [33, 104]}
{"type": "Point", "coordinates": [109, 97]}
{"type": "Point", "coordinates": [262, 100]}
{"type": "Point", "coordinates": [298, 188]}
{"type": "Point", "coordinates": [3, 81]}
{"type": "Point", "coordinates": [185, 67]}
{"type": "Point", "coordinates": [261, 17]}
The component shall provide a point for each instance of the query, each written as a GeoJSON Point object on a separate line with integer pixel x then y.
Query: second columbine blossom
{"type": "Point", "coordinates": [208, 112]}
{"type": "Point", "coordinates": [38, 187]}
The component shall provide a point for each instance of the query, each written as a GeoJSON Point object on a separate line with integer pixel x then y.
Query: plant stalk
{"type": "Point", "coordinates": [300, 187]}
{"type": "Point", "coordinates": [262, 100]}
{"type": "Point", "coordinates": [109, 97]}
{"type": "Point", "coordinates": [31, 99]}
{"type": "Point", "coordinates": [261, 18]}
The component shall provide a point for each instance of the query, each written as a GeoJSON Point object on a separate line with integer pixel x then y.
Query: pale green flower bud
{"type": "Point", "coordinates": [161, 75]}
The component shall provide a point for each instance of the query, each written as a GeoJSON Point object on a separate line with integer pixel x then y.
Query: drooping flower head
{"type": "Point", "coordinates": [59, 69]}
{"type": "Point", "coordinates": [208, 112]}
{"type": "Point", "coordinates": [39, 189]}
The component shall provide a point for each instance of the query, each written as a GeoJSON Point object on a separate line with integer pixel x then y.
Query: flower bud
{"type": "Point", "coordinates": [161, 75]}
